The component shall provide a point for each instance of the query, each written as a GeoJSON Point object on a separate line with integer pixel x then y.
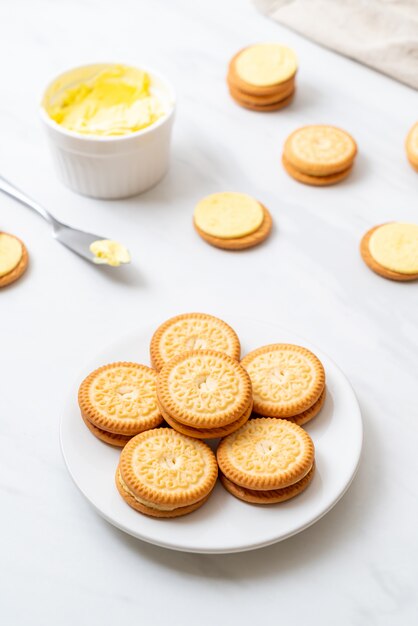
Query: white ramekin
{"type": "Point", "coordinates": [110, 167]}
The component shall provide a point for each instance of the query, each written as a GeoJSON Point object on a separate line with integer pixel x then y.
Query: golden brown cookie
{"type": "Point", "coordinates": [264, 108]}
{"type": "Point", "coordinates": [192, 331]}
{"type": "Point", "coordinates": [266, 453]}
{"type": "Point", "coordinates": [204, 389]}
{"type": "Point", "coordinates": [276, 65]}
{"type": "Point", "coordinates": [11, 269]}
{"type": "Point", "coordinates": [320, 150]}
{"type": "Point", "coordinates": [212, 433]}
{"type": "Point", "coordinates": [147, 510]}
{"type": "Point", "coordinates": [411, 146]}
{"type": "Point", "coordinates": [121, 398]}
{"type": "Point", "coordinates": [166, 472]}
{"type": "Point", "coordinates": [111, 438]}
{"type": "Point", "coordinates": [271, 496]}
{"type": "Point", "coordinates": [286, 379]}
{"type": "Point", "coordinates": [241, 243]}
{"type": "Point", "coordinates": [377, 267]}
{"type": "Point", "coordinates": [316, 181]}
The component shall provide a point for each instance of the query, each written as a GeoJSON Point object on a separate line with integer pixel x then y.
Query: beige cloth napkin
{"type": "Point", "coordinates": [380, 33]}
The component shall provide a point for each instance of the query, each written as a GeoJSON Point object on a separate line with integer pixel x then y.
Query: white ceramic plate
{"type": "Point", "coordinates": [224, 524]}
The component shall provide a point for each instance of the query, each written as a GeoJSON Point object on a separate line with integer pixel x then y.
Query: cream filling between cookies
{"type": "Point", "coordinates": [147, 503]}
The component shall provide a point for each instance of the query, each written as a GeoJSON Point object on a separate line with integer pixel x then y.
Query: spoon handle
{"type": "Point", "coordinates": [9, 189]}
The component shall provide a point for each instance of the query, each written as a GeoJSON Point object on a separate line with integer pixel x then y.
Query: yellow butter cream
{"type": "Point", "coordinates": [109, 252]}
{"type": "Point", "coordinates": [228, 215]}
{"type": "Point", "coordinates": [117, 101]}
{"type": "Point", "coordinates": [266, 64]}
{"type": "Point", "coordinates": [10, 253]}
{"type": "Point", "coordinates": [395, 247]}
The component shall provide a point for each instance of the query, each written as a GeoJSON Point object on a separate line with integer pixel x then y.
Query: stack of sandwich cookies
{"type": "Point", "coordinates": [162, 473]}
{"type": "Point", "coordinates": [204, 394]}
{"type": "Point", "coordinates": [391, 250]}
{"type": "Point", "coordinates": [232, 221]}
{"type": "Point", "coordinates": [192, 331]}
{"type": "Point", "coordinates": [262, 77]}
{"type": "Point", "coordinates": [119, 400]}
{"type": "Point", "coordinates": [412, 146]}
{"type": "Point", "coordinates": [319, 155]}
{"type": "Point", "coordinates": [288, 382]}
{"type": "Point", "coordinates": [266, 461]}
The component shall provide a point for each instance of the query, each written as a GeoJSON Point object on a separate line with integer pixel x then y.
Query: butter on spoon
{"type": "Point", "coordinates": [109, 252]}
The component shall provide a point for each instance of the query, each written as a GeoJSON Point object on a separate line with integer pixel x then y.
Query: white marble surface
{"type": "Point", "coordinates": [60, 563]}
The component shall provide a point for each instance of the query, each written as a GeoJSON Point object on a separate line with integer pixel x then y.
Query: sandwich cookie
{"type": "Point", "coordinates": [204, 390]}
{"type": "Point", "coordinates": [261, 77]}
{"type": "Point", "coordinates": [391, 250]}
{"type": "Point", "coordinates": [192, 331]}
{"type": "Point", "coordinates": [411, 146]}
{"type": "Point", "coordinates": [162, 473]}
{"type": "Point", "coordinates": [319, 155]}
{"type": "Point", "coordinates": [265, 457]}
{"type": "Point", "coordinates": [14, 259]}
{"type": "Point", "coordinates": [120, 399]}
{"type": "Point", "coordinates": [286, 379]}
{"type": "Point", "coordinates": [232, 221]}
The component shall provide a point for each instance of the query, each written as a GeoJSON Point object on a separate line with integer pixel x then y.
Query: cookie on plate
{"type": "Point", "coordinates": [266, 456]}
{"type": "Point", "coordinates": [232, 221]}
{"type": "Point", "coordinates": [286, 379]}
{"type": "Point", "coordinates": [120, 398]}
{"type": "Point", "coordinates": [14, 258]}
{"type": "Point", "coordinates": [163, 473]}
{"type": "Point", "coordinates": [204, 390]}
{"type": "Point", "coordinates": [192, 331]}
{"type": "Point", "coordinates": [262, 77]}
{"type": "Point", "coordinates": [319, 155]}
{"type": "Point", "coordinates": [391, 250]}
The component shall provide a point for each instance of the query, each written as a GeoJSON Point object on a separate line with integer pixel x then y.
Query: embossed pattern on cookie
{"type": "Point", "coordinates": [266, 453]}
{"type": "Point", "coordinates": [320, 150]}
{"type": "Point", "coordinates": [192, 331]}
{"type": "Point", "coordinates": [121, 398]}
{"type": "Point", "coordinates": [204, 389]}
{"type": "Point", "coordinates": [286, 379]}
{"type": "Point", "coordinates": [164, 469]}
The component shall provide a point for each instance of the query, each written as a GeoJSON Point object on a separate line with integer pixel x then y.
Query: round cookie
{"type": "Point", "coordinates": [121, 398]}
{"type": "Point", "coordinates": [271, 496]}
{"type": "Point", "coordinates": [212, 433]}
{"type": "Point", "coordinates": [266, 453]}
{"type": "Point", "coordinates": [262, 67]}
{"type": "Point", "coordinates": [204, 389]}
{"type": "Point", "coordinates": [111, 438]}
{"type": "Point", "coordinates": [286, 379]}
{"type": "Point", "coordinates": [163, 470]}
{"type": "Point", "coordinates": [316, 181]}
{"type": "Point", "coordinates": [228, 215]}
{"type": "Point", "coordinates": [264, 108]}
{"type": "Point", "coordinates": [241, 243]}
{"type": "Point", "coordinates": [320, 150]}
{"type": "Point", "coordinates": [411, 146]}
{"type": "Point", "coordinates": [192, 331]}
{"type": "Point", "coordinates": [377, 267]}
{"type": "Point", "coordinates": [14, 259]}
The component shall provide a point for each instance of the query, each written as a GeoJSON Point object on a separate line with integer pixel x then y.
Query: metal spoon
{"type": "Point", "coordinates": [76, 240]}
